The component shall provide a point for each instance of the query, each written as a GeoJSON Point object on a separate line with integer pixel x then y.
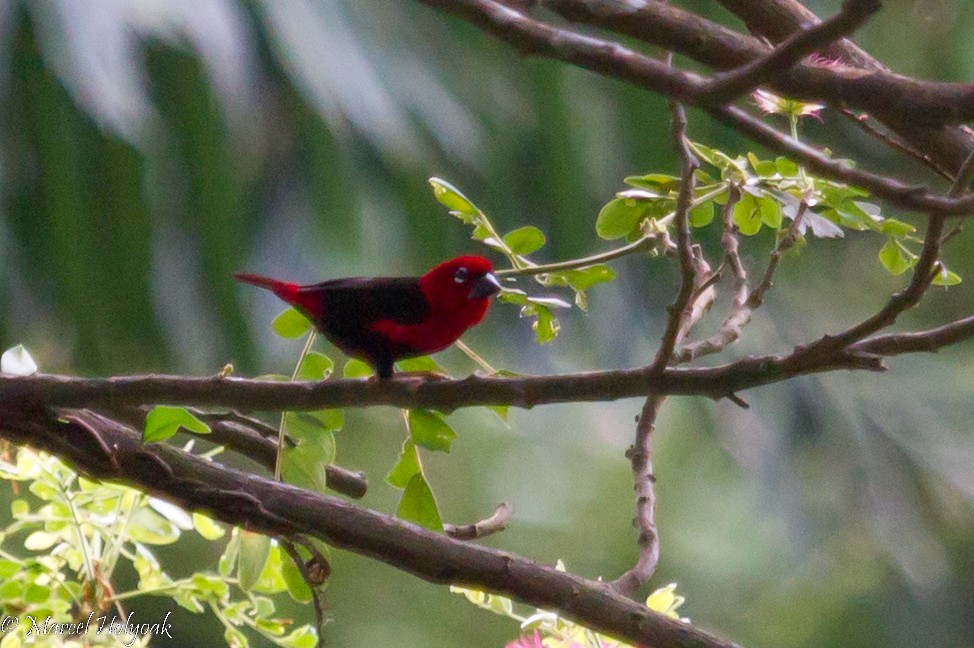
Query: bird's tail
{"type": "Point", "coordinates": [283, 289]}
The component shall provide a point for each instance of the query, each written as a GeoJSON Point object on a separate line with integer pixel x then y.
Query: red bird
{"type": "Point", "coordinates": [384, 319]}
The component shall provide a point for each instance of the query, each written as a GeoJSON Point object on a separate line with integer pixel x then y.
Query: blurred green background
{"type": "Point", "coordinates": [149, 148]}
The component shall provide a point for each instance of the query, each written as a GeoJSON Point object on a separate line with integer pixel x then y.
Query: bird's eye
{"type": "Point", "coordinates": [460, 276]}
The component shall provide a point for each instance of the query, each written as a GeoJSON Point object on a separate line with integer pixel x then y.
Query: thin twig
{"type": "Point", "coordinates": [640, 455]}
{"type": "Point", "coordinates": [486, 527]}
{"type": "Point", "coordinates": [740, 314]}
{"type": "Point", "coordinates": [689, 164]}
{"type": "Point", "coordinates": [317, 595]}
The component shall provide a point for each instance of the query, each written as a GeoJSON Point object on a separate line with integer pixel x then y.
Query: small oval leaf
{"type": "Point", "coordinates": [525, 240]}
{"type": "Point", "coordinates": [291, 324]}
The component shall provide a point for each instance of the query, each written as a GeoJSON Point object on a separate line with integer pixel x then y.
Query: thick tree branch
{"type": "Point", "coordinates": [444, 395]}
{"type": "Point", "coordinates": [728, 86]}
{"type": "Point", "coordinates": [866, 82]}
{"type": "Point", "coordinates": [105, 449]}
{"type": "Point", "coordinates": [678, 311]}
{"type": "Point", "coordinates": [614, 60]}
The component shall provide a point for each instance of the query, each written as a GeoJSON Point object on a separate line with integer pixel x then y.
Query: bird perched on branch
{"type": "Point", "coordinates": [385, 319]}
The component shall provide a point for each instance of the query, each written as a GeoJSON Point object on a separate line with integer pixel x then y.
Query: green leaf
{"type": "Point", "coordinates": [297, 588]}
{"type": "Point", "coordinates": [418, 504]}
{"type": "Point", "coordinates": [503, 412]}
{"type": "Point", "coordinates": [254, 551]}
{"type": "Point", "coordinates": [302, 466]}
{"type": "Point", "coordinates": [36, 594]}
{"type": "Point", "coordinates": [764, 168]}
{"type": "Point", "coordinates": [406, 467]}
{"type": "Point", "coordinates": [8, 568]}
{"type": "Point", "coordinates": [16, 361]}
{"type": "Point", "coordinates": [41, 541]}
{"type": "Point", "coordinates": [946, 278]}
{"type": "Point", "coordinates": [658, 182]}
{"type": "Point", "coordinates": [746, 215]}
{"type": "Point", "coordinates": [451, 197]}
{"type": "Point", "coordinates": [546, 327]}
{"type": "Point", "coordinates": [429, 430]}
{"type": "Point", "coordinates": [525, 240]}
{"type": "Point", "coordinates": [207, 527]}
{"type": "Point", "coordinates": [620, 217]}
{"type": "Point", "coordinates": [235, 638]}
{"type": "Point", "coordinates": [315, 366]}
{"type": "Point", "coordinates": [893, 227]}
{"type": "Point", "coordinates": [584, 278]}
{"type": "Point", "coordinates": [705, 153]}
{"type": "Point", "coordinates": [271, 581]}
{"type": "Point", "coordinates": [165, 420]}
{"type": "Point", "coordinates": [303, 637]}
{"type": "Point", "coordinates": [291, 324]}
{"type": "Point", "coordinates": [786, 167]}
{"type": "Point", "coordinates": [770, 211]}
{"type": "Point", "coordinates": [420, 364]}
{"type": "Point", "coordinates": [355, 368]}
{"type": "Point", "coordinates": [228, 559]}
{"type": "Point", "coordinates": [702, 215]}
{"type": "Point", "coordinates": [894, 259]}
{"type": "Point", "coordinates": [304, 463]}
{"type": "Point", "coordinates": [148, 527]}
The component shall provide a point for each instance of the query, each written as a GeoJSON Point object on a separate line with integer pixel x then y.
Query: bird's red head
{"type": "Point", "coordinates": [460, 289]}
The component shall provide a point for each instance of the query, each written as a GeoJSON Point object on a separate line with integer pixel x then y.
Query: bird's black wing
{"type": "Point", "coordinates": [371, 299]}
{"type": "Point", "coordinates": [352, 306]}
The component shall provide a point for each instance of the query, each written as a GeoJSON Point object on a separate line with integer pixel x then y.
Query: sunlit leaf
{"type": "Point", "coordinates": [207, 527]}
{"type": "Point", "coordinates": [420, 364]}
{"type": "Point", "coordinates": [297, 588]}
{"type": "Point", "coordinates": [656, 182]}
{"type": "Point", "coordinates": [163, 421]}
{"type": "Point", "coordinates": [16, 361]}
{"type": "Point", "coordinates": [525, 240]}
{"type": "Point", "coordinates": [893, 227]}
{"type": "Point", "coordinates": [770, 211]}
{"type": "Point", "coordinates": [620, 217]}
{"type": "Point", "coordinates": [148, 527]}
{"type": "Point", "coordinates": [702, 215]}
{"type": "Point", "coordinates": [429, 430]}
{"type": "Point", "coordinates": [406, 467]}
{"type": "Point", "coordinates": [946, 277]}
{"type": "Point", "coordinates": [291, 324]}
{"type": "Point", "coordinates": [746, 215]}
{"type": "Point", "coordinates": [253, 553]}
{"type": "Point", "coordinates": [451, 197]}
{"type": "Point", "coordinates": [894, 259]}
{"type": "Point", "coordinates": [584, 278]}
{"type": "Point", "coordinates": [786, 167]}
{"type": "Point", "coordinates": [315, 366]}
{"type": "Point", "coordinates": [355, 368]}
{"type": "Point", "coordinates": [418, 504]}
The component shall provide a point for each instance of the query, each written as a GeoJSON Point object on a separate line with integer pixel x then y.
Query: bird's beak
{"type": "Point", "coordinates": [486, 286]}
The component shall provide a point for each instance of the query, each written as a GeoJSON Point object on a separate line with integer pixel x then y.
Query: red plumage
{"type": "Point", "coordinates": [385, 319]}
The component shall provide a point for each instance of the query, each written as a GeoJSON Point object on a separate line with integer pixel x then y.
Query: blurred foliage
{"type": "Point", "coordinates": [148, 148]}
